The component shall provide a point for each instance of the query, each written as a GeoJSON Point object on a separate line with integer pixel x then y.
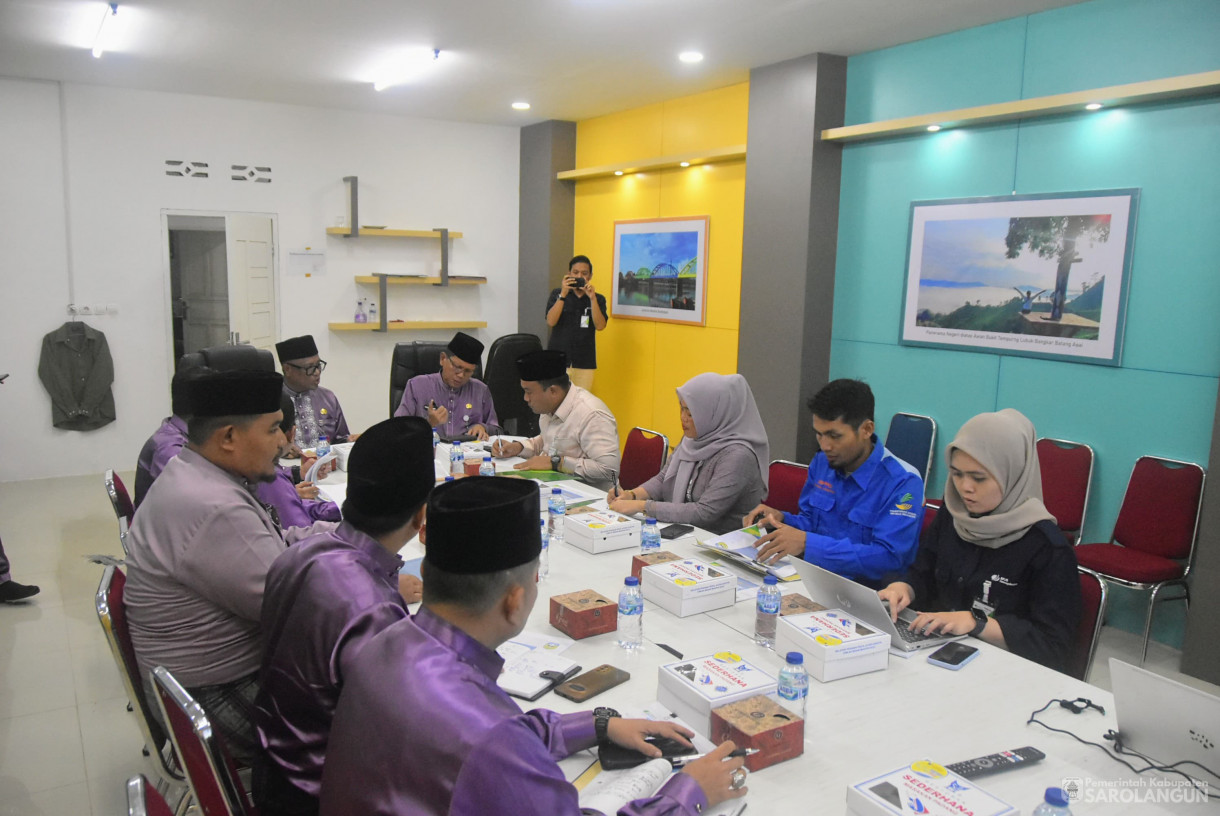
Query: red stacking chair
{"type": "Point", "coordinates": [113, 617]}
{"type": "Point", "coordinates": [211, 771]}
{"type": "Point", "coordinates": [1154, 537]}
{"type": "Point", "coordinates": [643, 457]}
{"type": "Point", "coordinates": [120, 500]}
{"type": "Point", "coordinates": [784, 483]}
{"type": "Point", "coordinates": [1092, 616]}
{"type": "Point", "coordinates": [143, 800]}
{"type": "Point", "coordinates": [1067, 474]}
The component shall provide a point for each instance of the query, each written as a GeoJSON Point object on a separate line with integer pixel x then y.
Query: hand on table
{"type": "Point", "coordinates": [623, 505]}
{"type": "Point", "coordinates": [763, 515]}
{"type": "Point", "coordinates": [502, 450]}
{"type": "Point", "coordinates": [307, 491]}
{"type": "Point", "coordinates": [944, 623]}
{"type": "Point", "coordinates": [714, 773]}
{"type": "Point", "coordinates": [540, 462]}
{"type": "Point", "coordinates": [410, 588]}
{"type": "Point", "coordinates": [478, 432]}
{"type": "Point", "coordinates": [437, 414]}
{"type": "Point", "coordinates": [631, 734]}
{"type": "Point", "coordinates": [780, 542]}
{"type": "Point", "coordinates": [899, 596]}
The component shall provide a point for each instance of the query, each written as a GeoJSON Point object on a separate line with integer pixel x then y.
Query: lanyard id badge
{"type": "Point", "coordinates": [585, 318]}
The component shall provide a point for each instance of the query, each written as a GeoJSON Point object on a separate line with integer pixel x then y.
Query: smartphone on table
{"type": "Point", "coordinates": [953, 656]}
{"type": "Point", "coordinates": [671, 531]}
{"type": "Point", "coordinates": [592, 683]}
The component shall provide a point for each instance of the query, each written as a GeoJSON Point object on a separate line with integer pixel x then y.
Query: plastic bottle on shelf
{"type": "Point", "coordinates": [487, 468]}
{"type": "Point", "coordinates": [373, 312]}
{"type": "Point", "coordinates": [767, 614]}
{"type": "Point", "coordinates": [630, 614]}
{"type": "Point", "coordinates": [1054, 803]}
{"type": "Point", "coordinates": [544, 558]}
{"type": "Point", "coordinates": [794, 684]}
{"type": "Point", "coordinates": [556, 510]}
{"type": "Point", "coordinates": [457, 460]}
{"type": "Point", "coordinates": [360, 317]}
{"type": "Point", "coordinates": [650, 536]}
{"type": "Point", "coordinates": [323, 446]}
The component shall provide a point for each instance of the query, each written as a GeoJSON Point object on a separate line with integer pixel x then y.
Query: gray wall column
{"type": "Point", "coordinates": [1200, 657]}
{"type": "Point", "coordinates": [547, 219]}
{"type": "Point", "coordinates": [788, 248]}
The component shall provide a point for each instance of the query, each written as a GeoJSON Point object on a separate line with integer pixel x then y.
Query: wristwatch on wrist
{"type": "Point", "coordinates": [601, 721]}
{"type": "Point", "coordinates": [555, 460]}
{"type": "Point", "coordinates": [980, 621]}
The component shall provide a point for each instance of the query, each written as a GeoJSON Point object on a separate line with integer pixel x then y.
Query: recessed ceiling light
{"type": "Point", "coordinates": [99, 42]}
{"type": "Point", "coordinates": [407, 67]}
{"type": "Point", "coordinates": [691, 56]}
{"type": "Point", "coordinates": [1093, 106]}
{"type": "Point", "coordinates": [618, 172]}
{"type": "Point", "coordinates": [684, 164]}
{"type": "Point", "coordinates": [521, 106]}
{"type": "Point", "coordinates": [933, 128]}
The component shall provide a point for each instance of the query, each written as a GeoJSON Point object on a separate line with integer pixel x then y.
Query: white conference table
{"type": "Point", "coordinates": [856, 727]}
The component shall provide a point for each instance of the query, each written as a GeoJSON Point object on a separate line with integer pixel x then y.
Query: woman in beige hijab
{"type": "Point", "coordinates": [993, 564]}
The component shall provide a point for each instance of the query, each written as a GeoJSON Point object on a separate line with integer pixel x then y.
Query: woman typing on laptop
{"type": "Point", "coordinates": [993, 564]}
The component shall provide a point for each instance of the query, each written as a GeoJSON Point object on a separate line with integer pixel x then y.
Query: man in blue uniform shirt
{"type": "Point", "coordinates": [861, 505]}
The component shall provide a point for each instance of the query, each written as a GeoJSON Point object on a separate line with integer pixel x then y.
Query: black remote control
{"type": "Point", "coordinates": [983, 766]}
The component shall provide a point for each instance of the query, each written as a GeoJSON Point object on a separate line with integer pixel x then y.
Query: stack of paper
{"type": "Point", "coordinates": [739, 548]}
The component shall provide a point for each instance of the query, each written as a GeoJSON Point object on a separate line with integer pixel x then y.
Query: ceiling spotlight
{"type": "Point", "coordinates": [684, 164]}
{"type": "Point", "coordinates": [407, 67]}
{"type": "Point", "coordinates": [521, 106]}
{"type": "Point", "coordinates": [690, 56]}
{"type": "Point", "coordinates": [99, 42]}
{"type": "Point", "coordinates": [1093, 106]}
{"type": "Point", "coordinates": [933, 128]}
{"type": "Point", "coordinates": [618, 172]}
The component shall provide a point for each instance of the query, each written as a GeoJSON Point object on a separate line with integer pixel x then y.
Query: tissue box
{"type": "Point", "coordinates": [583, 614]}
{"type": "Point", "coordinates": [794, 603]}
{"type": "Point", "coordinates": [835, 644]}
{"type": "Point", "coordinates": [692, 688]}
{"type": "Point", "coordinates": [601, 531]}
{"type": "Point", "coordinates": [760, 722]}
{"type": "Point", "coordinates": [648, 559]}
{"type": "Point", "coordinates": [688, 587]}
{"type": "Point", "coordinates": [923, 787]}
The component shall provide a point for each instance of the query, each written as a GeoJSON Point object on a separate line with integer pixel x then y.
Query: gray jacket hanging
{"type": "Point", "coordinates": [77, 371]}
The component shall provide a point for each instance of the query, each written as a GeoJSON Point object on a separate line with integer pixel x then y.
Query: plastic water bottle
{"type": "Point", "coordinates": [794, 683]}
{"type": "Point", "coordinates": [1054, 803]}
{"type": "Point", "coordinates": [765, 618]}
{"type": "Point", "coordinates": [323, 446]}
{"type": "Point", "coordinates": [373, 312]}
{"type": "Point", "coordinates": [650, 537]}
{"type": "Point", "coordinates": [544, 558]}
{"type": "Point", "coordinates": [360, 317]}
{"type": "Point", "coordinates": [457, 460]}
{"type": "Point", "coordinates": [487, 468]}
{"type": "Point", "coordinates": [436, 440]}
{"type": "Point", "coordinates": [630, 614]}
{"type": "Point", "coordinates": [557, 508]}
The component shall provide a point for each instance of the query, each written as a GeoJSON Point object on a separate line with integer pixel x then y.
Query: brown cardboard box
{"type": "Point", "coordinates": [794, 603]}
{"type": "Point", "coordinates": [659, 557]}
{"type": "Point", "coordinates": [760, 722]}
{"type": "Point", "coordinates": [583, 614]}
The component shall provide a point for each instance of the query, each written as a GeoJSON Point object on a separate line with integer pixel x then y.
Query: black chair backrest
{"type": "Point", "coordinates": [229, 358]}
{"type": "Point", "coordinates": [505, 383]}
{"type": "Point", "coordinates": [412, 359]}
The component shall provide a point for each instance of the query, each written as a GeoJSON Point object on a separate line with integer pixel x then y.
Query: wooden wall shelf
{"type": "Point", "coordinates": [1136, 93]}
{"type": "Point", "coordinates": [411, 280]}
{"type": "Point", "coordinates": [365, 232]}
{"type": "Point", "coordinates": [409, 325]}
{"type": "Point", "coordinates": [720, 154]}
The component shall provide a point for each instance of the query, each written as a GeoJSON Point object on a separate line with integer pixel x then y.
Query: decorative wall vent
{"type": "Point", "coordinates": [186, 169]}
{"type": "Point", "coordinates": [244, 172]}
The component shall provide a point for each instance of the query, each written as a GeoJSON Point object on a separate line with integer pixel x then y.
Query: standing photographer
{"type": "Point", "coordinates": [575, 312]}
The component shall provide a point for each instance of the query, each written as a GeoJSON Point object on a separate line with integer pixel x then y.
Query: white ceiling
{"type": "Point", "coordinates": [571, 59]}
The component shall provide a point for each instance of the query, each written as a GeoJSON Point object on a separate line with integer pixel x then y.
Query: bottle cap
{"type": "Point", "coordinates": [650, 521]}
{"type": "Point", "coordinates": [631, 580]}
{"type": "Point", "coordinates": [448, 478]}
{"type": "Point", "coordinates": [556, 491]}
{"type": "Point", "coordinates": [1057, 797]}
{"type": "Point", "coordinates": [770, 580]}
{"type": "Point", "coordinates": [795, 658]}
{"type": "Point", "coordinates": [486, 458]}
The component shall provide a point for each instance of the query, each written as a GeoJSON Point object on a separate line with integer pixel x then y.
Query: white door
{"type": "Point", "coordinates": [251, 256]}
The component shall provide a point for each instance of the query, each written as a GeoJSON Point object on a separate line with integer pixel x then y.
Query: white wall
{"type": "Point", "coordinates": [414, 174]}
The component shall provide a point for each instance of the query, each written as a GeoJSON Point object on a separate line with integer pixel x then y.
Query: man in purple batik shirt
{"type": "Point", "coordinates": [422, 727]}
{"type": "Point", "coordinates": [296, 504]}
{"type": "Point", "coordinates": [168, 439]}
{"type": "Point", "coordinates": [453, 402]}
{"type": "Point", "coordinates": [326, 597]}
{"type": "Point", "coordinates": [318, 411]}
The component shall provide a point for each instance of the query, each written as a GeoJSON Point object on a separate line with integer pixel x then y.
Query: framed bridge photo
{"type": "Point", "coordinates": [660, 270]}
{"type": "Point", "coordinates": [1030, 275]}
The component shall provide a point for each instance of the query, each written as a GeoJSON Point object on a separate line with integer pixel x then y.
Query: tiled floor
{"type": "Point", "coordinates": [67, 742]}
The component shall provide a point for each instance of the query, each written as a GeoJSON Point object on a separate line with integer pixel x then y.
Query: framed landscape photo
{"type": "Point", "coordinates": [660, 270]}
{"type": "Point", "coordinates": [1034, 275]}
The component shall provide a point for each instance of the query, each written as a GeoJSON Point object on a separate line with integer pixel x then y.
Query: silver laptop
{"type": "Point", "coordinates": [1166, 720]}
{"type": "Point", "coordinates": [837, 592]}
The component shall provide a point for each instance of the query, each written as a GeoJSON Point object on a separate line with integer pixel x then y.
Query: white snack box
{"type": "Point", "coordinates": [601, 531]}
{"type": "Point", "coordinates": [923, 787]}
{"type": "Point", "coordinates": [692, 688]}
{"type": "Point", "coordinates": [835, 643]}
{"type": "Point", "coordinates": [688, 587]}
{"type": "Point", "coordinates": [342, 451]}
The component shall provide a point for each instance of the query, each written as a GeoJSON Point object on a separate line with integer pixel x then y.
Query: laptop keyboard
{"type": "Point", "coordinates": [912, 635]}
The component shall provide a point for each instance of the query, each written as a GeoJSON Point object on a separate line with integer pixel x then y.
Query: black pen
{"type": "Point", "coordinates": [671, 650]}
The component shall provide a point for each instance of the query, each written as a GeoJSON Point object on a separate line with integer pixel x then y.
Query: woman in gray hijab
{"type": "Point", "coordinates": [718, 472]}
{"type": "Point", "coordinates": [993, 564]}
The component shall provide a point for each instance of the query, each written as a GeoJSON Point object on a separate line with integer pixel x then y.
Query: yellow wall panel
{"type": "Point", "coordinates": [619, 137]}
{"type": "Point", "coordinates": [706, 121]}
{"type": "Point", "coordinates": [681, 353]}
{"type": "Point", "coordinates": [626, 354]}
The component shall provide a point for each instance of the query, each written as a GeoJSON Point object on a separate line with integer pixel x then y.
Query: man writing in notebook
{"type": "Point", "coordinates": [422, 727]}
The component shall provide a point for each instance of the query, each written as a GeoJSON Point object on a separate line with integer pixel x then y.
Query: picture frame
{"type": "Point", "coordinates": [1043, 275]}
{"type": "Point", "coordinates": [660, 270]}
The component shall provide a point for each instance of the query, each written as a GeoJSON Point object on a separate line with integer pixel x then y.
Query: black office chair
{"type": "Point", "coordinates": [229, 358]}
{"type": "Point", "coordinates": [412, 359]}
{"type": "Point", "coordinates": [505, 383]}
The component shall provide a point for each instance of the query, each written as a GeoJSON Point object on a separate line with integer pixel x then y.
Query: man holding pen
{"type": "Point", "coordinates": [453, 402]}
